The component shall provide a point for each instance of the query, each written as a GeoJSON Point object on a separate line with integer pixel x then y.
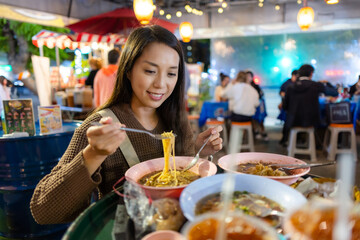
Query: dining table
{"type": "Point", "coordinates": [215, 110]}
{"type": "Point", "coordinates": [106, 219]}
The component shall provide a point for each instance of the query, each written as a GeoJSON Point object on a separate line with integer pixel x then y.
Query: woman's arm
{"type": "Point", "coordinates": [65, 192]}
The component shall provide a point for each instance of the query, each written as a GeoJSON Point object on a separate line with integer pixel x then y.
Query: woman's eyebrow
{"type": "Point", "coordinates": [155, 65]}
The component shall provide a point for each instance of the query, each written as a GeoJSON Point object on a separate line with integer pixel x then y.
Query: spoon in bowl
{"type": "Point", "coordinates": [197, 156]}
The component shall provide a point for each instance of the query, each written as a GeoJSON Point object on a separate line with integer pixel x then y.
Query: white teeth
{"type": "Point", "coordinates": [156, 95]}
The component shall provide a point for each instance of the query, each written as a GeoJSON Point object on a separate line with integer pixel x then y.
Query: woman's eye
{"type": "Point", "coordinates": [150, 71]}
{"type": "Point", "coordinates": [172, 74]}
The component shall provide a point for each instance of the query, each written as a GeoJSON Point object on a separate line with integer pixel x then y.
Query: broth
{"type": "Point", "coordinates": [318, 224]}
{"type": "Point", "coordinates": [250, 203]}
{"type": "Point", "coordinates": [236, 229]}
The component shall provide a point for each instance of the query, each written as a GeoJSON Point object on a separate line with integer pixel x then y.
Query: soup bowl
{"type": "Point", "coordinates": [225, 163]}
{"type": "Point", "coordinates": [237, 226]}
{"type": "Point", "coordinates": [282, 194]}
{"type": "Point", "coordinates": [317, 219]}
{"type": "Point", "coordinates": [203, 167]}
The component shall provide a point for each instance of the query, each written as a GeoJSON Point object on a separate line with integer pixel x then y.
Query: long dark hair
{"type": "Point", "coordinates": [172, 111]}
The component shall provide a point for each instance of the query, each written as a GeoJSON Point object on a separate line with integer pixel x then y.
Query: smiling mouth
{"type": "Point", "coordinates": [156, 96]}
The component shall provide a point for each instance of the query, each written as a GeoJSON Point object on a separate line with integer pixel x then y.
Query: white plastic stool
{"type": "Point", "coordinates": [236, 137]}
{"type": "Point", "coordinates": [310, 150]}
{"type": "Point", "coordinates": [332, 149]}
{"type": "Point", "coordinates": [214, 123]}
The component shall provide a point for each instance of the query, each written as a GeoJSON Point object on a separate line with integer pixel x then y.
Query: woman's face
{"type": "Point", "coordinates": [154, 75]}
{"type": "Point", "coordinates": [225, 82]}
{"type": "Point", "coordinates": [249, 78]}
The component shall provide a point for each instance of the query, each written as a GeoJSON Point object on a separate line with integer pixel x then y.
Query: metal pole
{"type": "Point", "coordinates": [58, 66]}
{"type": "Point", "coordinates": [41, 49]}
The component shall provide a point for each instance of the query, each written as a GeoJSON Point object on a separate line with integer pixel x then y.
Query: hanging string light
{"type": "Point", "coordinates": [305, 17]}
{"type": "Point", "coordinates": [332, 1]}
{"type": "Point", "coordinates": [178, 14]}
{"type": "Point", "coordinates": [144, 10]}
{"type": "Point", "coordinates": [186, 31]}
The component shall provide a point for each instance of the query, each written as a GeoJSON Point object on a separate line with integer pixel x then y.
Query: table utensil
{"type": "Point", "coordinates": [289, 166]}
{"type": "Point", "coordinates": [156, 136]}
{"type": "Point", "coordinates": [197, 156]}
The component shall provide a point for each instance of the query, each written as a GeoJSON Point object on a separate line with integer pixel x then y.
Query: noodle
{"type": "Point", "coordinates": [168, 177]}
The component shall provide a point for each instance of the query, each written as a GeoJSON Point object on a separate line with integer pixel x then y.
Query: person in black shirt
{"type": "Point", "coordinates": [355, 89]}
{"type": "Point", "coordinates": [282, 115]}
{"type": "Point", "coordinates": [95, 65]}
{"type": "Point", "coordinates": [301, 101]}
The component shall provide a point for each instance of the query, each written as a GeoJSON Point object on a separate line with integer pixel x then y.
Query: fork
{"type": "Point", "coordinates": [156, 136]}
{"type": "Point", "coordinates": [197, 156]}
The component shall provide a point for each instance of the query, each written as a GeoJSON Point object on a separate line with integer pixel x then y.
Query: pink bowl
{"type": "Point", "coordinates": [164, 235]}
{"type": "Point", "coordinates": [255, 157]}
{"type": "Point", "coordinates": [203, 167]}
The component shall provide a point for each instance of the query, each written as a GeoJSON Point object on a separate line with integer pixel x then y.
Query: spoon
{"type": "Point", "coordinates": [156, 136]}
{"type": "Point", "coordinates": [197, 156]}
{"type": "Point", "coordinates": [274, 216]}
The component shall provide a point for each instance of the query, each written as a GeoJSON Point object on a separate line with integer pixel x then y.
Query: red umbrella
{"type": "Point", "coordinates": [120, 20]}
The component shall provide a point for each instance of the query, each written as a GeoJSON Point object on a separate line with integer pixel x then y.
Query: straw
{"type": "Point", "coordinates": [227, 190]}
{"type": "Point", "coordinates": [345, 173]}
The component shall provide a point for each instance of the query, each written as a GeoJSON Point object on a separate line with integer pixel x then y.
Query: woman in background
{"type": "Point", "coordinates": [219, 90]}
{"type": "Point", "coordinates": [244, 98]}
{"type": "Point", "coordinates": [95, 65]}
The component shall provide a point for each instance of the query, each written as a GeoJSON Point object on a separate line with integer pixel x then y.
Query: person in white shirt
{"type": "Point", "coordinates": [243, 99]}
{"type": "Point", "coordinates": [4, 91]}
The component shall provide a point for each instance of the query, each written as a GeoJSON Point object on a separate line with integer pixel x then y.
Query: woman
{"type": "Point", "coordinates": [261, 113]}
{"type": "Point", "coordinates": [95, 65]}
{"type": "Point", "coordinates": [149, 94]}
{"type": "Point", "coordinates": [244, 99]}
{"type": "Point", "coordinates": [219, 90]}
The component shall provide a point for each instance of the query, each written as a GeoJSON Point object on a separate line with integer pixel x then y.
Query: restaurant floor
{"type": "Point", "coordinates": [273, 146]}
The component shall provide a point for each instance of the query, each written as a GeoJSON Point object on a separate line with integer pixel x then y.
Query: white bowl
{"type": "Point", "coordinates": [286, 196]}
{"type": "Point", "coordinates": [255, 157]}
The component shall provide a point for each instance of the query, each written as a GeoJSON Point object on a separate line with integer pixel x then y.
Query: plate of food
{"type": "Point", "coordinates": [257, 163]}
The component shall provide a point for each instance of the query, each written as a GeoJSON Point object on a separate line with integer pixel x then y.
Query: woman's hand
{"type": "Point", "coordinates": [215, 143]}
{"type": "Point", "coordinates": [103, 141]}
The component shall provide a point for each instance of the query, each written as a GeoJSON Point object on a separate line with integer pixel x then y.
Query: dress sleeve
{"type": "Point", "coordinates": [66, 191]}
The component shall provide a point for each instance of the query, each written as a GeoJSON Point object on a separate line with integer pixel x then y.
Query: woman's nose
{"type": "Point", "coordinates": [160, 81]}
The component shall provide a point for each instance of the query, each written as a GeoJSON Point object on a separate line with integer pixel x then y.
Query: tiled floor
{"type": "Point", "coordinates": [272, 146]}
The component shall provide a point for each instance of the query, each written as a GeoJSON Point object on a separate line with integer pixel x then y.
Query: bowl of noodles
{"type": "Point", "coordinates": [255, 163]}
{"type": "Point", "coordinates": [142, 173]}
{"type": "Point", "coordinates": [165, 177]}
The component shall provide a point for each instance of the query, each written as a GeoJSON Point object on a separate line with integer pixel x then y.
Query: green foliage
{"type": "Point", "coordinates": [28, 30]}
{"type": "Point", "coordinates": [204, 90]}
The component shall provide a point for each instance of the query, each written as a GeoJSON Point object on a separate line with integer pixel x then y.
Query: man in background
{"type": "Point", "coordinates": [282, 115]}
{"type": "Point", "coordinates": [104, 82]}
{"type": "Point", "coordinates": [301, 101]}
{"type": "Point", "coordinates": [288, 82]}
